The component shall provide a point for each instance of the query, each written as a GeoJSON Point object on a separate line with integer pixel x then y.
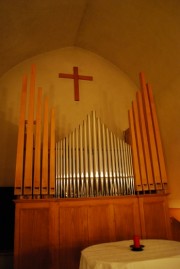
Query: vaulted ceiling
{"type": "Point", "coordinates": [135, 35]}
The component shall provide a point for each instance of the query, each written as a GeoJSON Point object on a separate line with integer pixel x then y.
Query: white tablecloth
{"type": "Point", "coordinates": [156, 254]}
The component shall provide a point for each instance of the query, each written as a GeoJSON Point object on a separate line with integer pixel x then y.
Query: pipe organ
{"type": "Point", "coordinates": [35, 161]}
{"type": "Point", "coordinates": [114, 187]}
{"type": "Point", "coordinates": [92, 161]}
{"type": "Point", "coordinates": [148, 158]}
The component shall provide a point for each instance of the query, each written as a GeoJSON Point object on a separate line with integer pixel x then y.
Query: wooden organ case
{"type": "Point", "coordinates": [88, 188]}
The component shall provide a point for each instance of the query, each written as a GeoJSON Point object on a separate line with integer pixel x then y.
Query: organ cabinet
{"type": "Point", "coordinates": [89, 187]}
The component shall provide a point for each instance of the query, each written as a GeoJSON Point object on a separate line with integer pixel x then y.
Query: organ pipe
{"type": "Point", "coordinates": [91, 160]}
{"type": "Point", "coordinates": [102, 162]}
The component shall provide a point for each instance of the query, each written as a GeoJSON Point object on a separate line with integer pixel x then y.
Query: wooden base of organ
{"type": "Point", "coordinates": [50, 233]}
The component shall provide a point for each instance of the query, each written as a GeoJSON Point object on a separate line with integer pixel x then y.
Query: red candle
{"type": "Point", "coordinates": [136, 241]}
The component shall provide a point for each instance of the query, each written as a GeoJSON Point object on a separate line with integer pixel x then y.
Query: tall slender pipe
{"type": "Point", "coordinates": [96, 170]}
{"type": "Point", "coordinates": [86, 167]}
{"type": "Point", "coordinates": [105, 161]}
{"type": "Point", "coordinates": [90, 158]}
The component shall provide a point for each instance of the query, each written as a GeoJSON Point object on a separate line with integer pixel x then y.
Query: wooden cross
{"type": "Point", "coordinates": [76, 78]}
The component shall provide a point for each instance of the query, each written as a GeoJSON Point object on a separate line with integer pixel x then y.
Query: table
{"type": "Point", "coordinates": [118, 255]}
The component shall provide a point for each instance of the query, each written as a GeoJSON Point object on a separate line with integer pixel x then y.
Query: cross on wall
{"type": "Point", "coordinates": [76, 78]}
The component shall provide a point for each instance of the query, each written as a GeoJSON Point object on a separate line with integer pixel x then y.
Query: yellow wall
{"type": "Point", "coordinates": [168, 108]}
{"type": "Point", "coordinates": [175, 212]}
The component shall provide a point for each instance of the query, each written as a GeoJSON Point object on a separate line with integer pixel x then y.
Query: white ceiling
{"type": "Point", "coordinates": [135, 35]}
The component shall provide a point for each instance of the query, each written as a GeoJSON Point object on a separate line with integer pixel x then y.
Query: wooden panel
{"type": "Point", "coordinates": [32, 238]}
{"type": "Point", "coordinates": [127, 219]}
{"type": "Point", "coordinates": [73, 234]}
{"type": "Point", "coordinates": [50, 233]}
{"type": "Point", "coordinates": [101, 223]}
{"type": "Point", "coordinates": [154, 217]}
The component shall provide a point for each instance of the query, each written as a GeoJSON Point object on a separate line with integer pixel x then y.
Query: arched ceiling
{"type": "Point", "coordinates": [135, 35]}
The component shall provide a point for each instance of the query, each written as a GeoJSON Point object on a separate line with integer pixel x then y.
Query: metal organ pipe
{"type": "Point", "coordinates": [92, 161]}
